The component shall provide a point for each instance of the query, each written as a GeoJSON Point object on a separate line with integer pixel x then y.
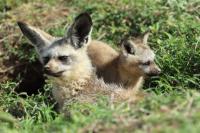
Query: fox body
{"type": "Point", "coordinates": [67, 65]}
{"type": "Point", "coordinates": [127, 67]}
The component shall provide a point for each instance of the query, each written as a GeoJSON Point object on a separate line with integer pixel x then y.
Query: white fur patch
{"type": "Point", "coordinates": [146, 55]}
{"type": "Point", "coordinates": [145, 68]}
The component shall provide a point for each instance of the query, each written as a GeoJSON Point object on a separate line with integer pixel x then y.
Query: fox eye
{"type": "Point", "coordinates": [63, 58]}
{"type": "Point", "coordinates": [146, 63]}
{"type": "Point", "coordinates": [46, 59]}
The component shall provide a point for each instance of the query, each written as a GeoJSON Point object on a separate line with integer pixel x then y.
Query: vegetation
{"type": "Point", "coordinates": [172, 103]}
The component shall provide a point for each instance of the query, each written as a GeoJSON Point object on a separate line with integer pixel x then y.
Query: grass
{"type": "Point", "coordinates": [173, 100]}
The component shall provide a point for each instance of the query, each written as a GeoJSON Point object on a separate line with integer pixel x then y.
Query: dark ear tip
{"type": "Point", "coordinates": [21, 24]}
{"type": "Point", "coordinates": [85, 15]}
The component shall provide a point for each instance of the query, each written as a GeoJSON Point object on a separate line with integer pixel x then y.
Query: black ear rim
{"type": "Point", "coordinates": [128, 47]}
{"type": "Point", "coordinates": [30, 34]}
{"type": "Point", "coordinates": [84, 14]}
{"type": "Point", "coordinates": [23, 26]}
{"type": "Point", "coordinates": [82, 21]}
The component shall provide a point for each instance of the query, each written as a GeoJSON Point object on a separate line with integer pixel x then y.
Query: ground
{"type": "Point", "coordinates": [172, 102]}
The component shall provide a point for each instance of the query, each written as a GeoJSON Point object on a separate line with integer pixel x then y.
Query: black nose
{"type": "Point", "coordinates": [154, 73]}
{"type": "Point", "coordinates": [47, 69]}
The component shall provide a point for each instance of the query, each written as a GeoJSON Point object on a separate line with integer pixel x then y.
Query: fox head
{"type": "Point", "coordinates": [137, 57]}
{"type": "Point", "coordinates": [64, 56]}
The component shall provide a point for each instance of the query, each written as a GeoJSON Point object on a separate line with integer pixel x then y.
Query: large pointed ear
{"type": "Point", "coordinates": [128, 47]}
{"type": "Point", "coordinates": [79, 31]}
{"type": "Point", "coordinates": [38, 38]}
{"type": "Point", "coordinates": [145, 37]}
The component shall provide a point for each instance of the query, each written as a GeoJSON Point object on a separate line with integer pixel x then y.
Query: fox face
{"type": "Point", "coordinates": [64, 56]}
{"type": "Point", "coordinates": [138, 58]}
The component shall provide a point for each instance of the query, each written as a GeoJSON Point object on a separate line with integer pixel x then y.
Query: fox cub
{"type": "Point", "coordinates": [127, 67]}
{"type": "Point", "coordinates": [67, 65]}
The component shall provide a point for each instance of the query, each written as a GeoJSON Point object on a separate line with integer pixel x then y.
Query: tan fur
{"type": "Point", "coordinates": [87, 90]}
{"type": "Point", "coordinates": [115, 67]}
{"type": "Point", "coordinates": [82, 84]}
{"type": "Point", "coordinates": [72, 77]}
{"type": "Point", "coordinates": [108, 63]}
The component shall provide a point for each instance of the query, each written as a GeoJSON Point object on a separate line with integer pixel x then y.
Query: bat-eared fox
{"type": "Point", "coordinates": [128, 67]}
{"type": "Point", "coordinates": [67, 65]}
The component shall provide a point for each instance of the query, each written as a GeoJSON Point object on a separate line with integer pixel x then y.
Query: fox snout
{"type": "Point", "coordinates": [154, 71]}
{"type": "Point", "coordinates": [47, 69]}
{"type": "Point", "coordinates": [51, 70]}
